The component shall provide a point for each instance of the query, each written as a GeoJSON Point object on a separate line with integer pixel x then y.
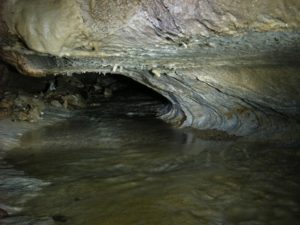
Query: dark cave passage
{"type": "Point", "coordinates": [23, 96]}
{"type": "Point", "coordinates": [149, 112]}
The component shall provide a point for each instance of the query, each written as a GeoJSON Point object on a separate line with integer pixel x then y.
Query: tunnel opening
{"type": "Point", "coordinates": [24, 98]}
{"type": "Point", "coordinates": [87, 149]}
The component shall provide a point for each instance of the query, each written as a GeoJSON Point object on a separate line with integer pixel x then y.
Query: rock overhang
{"type": "Point", "coordinates": [224, 65]}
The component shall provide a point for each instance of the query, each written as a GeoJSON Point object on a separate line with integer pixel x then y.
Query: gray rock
{"type": "Point", "coordinates": [231, 67]}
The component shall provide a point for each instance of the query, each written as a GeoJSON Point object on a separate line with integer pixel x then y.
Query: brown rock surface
{"type": "Point", "coordinates": [227, 65]}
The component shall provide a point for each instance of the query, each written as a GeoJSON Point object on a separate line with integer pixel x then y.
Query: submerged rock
{"type": "Point", "coordinates": [3, 213]}
{"type": "Point", "coordinates": [59, 218]}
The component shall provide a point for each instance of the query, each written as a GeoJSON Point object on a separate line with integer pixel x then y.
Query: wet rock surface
{"type": "Point", "coordinates": [3, 213]}
{"type": "Point", "coordinates": [226, 66]}
{"type": "Point", "coordinates": [73, 96]}
{"type": "Point", "coordinates": [114, 162]}
{"type": "Point", "coordinates": [20, 102]}
{"type": "Point", "coordinates": [115, 168]}
{"type": "Point", "coordinates": [229, 68]}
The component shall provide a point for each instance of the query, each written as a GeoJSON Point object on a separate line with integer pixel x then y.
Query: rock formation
{"type": "Point", "coordinates": [231, 65]}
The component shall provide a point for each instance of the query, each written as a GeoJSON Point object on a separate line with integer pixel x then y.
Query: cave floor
{"type": "Point", "coordinates": [110, 165]}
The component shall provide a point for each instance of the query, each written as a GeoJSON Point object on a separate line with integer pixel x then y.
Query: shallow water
{"type": "Point", "coordinates": [105, 168]}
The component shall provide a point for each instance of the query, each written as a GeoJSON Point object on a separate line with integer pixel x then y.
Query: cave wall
{"type": "Point", "coordinates": [229, 65]}
{"type": "Point", "coordinates": [62, 27]}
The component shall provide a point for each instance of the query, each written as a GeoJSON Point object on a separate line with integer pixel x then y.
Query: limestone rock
{"type": "Point", "coordinates": [226, 65]}
{"type": "Point", "coordinates": [27, 108]}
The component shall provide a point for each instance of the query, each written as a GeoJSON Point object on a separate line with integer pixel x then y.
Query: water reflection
{"type": "Point", "coordinates": [105, 169]}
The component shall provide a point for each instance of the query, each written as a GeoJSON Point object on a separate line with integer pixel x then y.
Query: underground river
{"type": "Point", "coordinates": [113, 166]}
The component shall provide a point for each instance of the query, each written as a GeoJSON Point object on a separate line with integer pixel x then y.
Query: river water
{"type": "Point", "coordinates": [110, 166]}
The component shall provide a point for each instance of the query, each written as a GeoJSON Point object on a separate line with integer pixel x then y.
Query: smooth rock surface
{"type": "Point", "coordinates": [101, 166]}
{"type": "Point", "coordinates": [227, 65]}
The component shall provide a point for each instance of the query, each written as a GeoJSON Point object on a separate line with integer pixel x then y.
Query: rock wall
{"type": "Point", "coordinates": [228, 65]}
{"type": "Point", "coordinates": [62, 27]}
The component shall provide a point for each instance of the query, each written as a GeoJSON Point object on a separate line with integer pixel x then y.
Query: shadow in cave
{"type": "Point", "coordinates": [117, 94]}
{"type": "Point", "coordinates": [109, 93]}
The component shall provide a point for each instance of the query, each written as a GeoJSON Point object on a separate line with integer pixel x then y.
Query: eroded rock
{"type": "Point", "coordinates": [28, 108]}
{"type": "Point", "coordinates": [226, 65]}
